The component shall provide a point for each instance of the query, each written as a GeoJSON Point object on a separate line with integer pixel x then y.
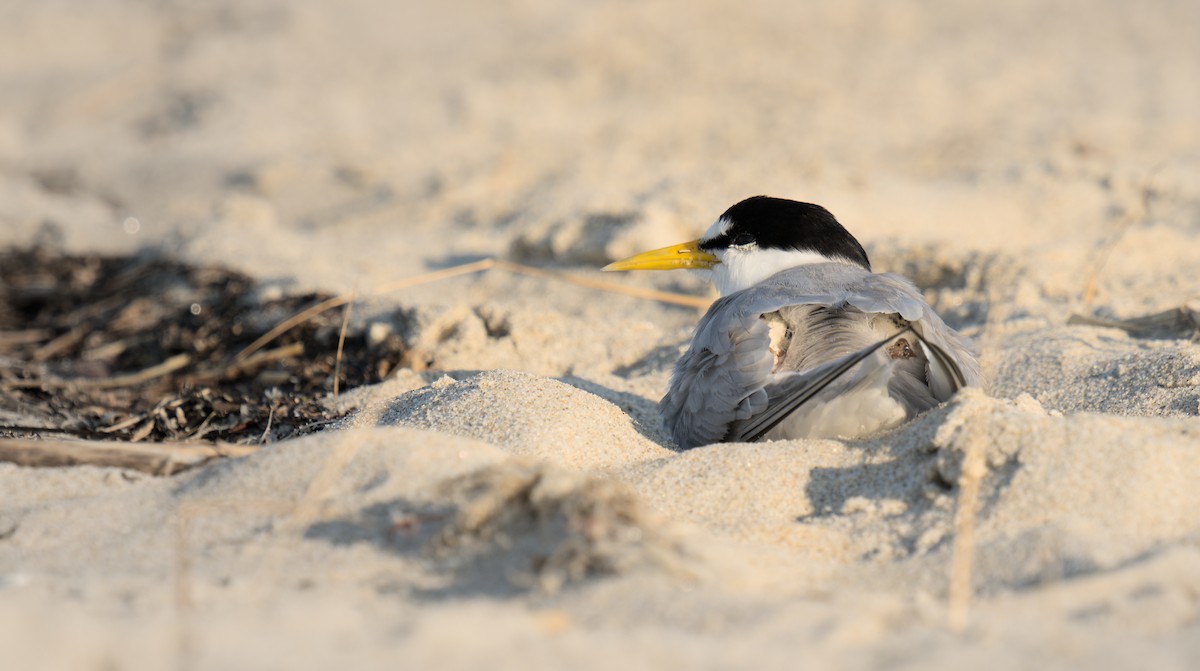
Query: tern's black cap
{"type": "Point", "coordinates": [778, 223]}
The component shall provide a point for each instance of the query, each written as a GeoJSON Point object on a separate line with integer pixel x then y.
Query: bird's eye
{"type": "Point", "coordinates": [742, 240]}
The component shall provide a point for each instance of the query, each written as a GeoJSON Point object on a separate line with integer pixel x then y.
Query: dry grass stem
{"type": "Point", "coordinates": [467, 269]}
{"type": "Point", "coordinates": [698, 302]}
{"type": "Point", "coordinates": [289, 324]}
{"type": "Point", "coordinates": [60, 344]}
{"type": "Point", "coordinates": [24, 337]}
{"type": "Point", "coordinates": [152, 458]}
{"type": "Point", "coordinates": [435, 276]}
{"type": "Point", "coordinates": [128, 380]}
{"type": "Point", "coordinates": [239, 368]}
{"type": "Point", "coordinates": [337, 362]}
{"type": "Point", "coordinates": [974, 467]}
{"type": "Point", "coordinates": [123, 424]}
{"type": "Point", "coordinates": [267, 431]}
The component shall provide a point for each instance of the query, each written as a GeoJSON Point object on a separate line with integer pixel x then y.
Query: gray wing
{"type": "Point", "coordinates": [725, 376]}
{"type": "Point", "coordinates": [789, 391]}
{"type": "Point", "coordinates": [719, 379]}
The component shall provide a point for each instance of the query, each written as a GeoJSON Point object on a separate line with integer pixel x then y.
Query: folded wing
{"type": "Point", "coordinates": [723, 387]}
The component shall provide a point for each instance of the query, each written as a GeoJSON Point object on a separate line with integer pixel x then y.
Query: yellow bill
{"type": "Point", "coordinates": [685, 255]}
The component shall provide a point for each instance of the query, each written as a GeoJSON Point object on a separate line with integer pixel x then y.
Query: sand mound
{"type": "Point", "coordinates": [1062, 496]}
{"type": "Point", "coordinates": [528, 416]}
{"type": "Point", "coordinates": [548, 342]}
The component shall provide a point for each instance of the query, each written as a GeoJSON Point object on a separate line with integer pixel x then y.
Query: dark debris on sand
{"type": "Point", "coordinates": [147, 348]}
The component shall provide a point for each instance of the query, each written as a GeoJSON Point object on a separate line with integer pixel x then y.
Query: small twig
{"type": "Point", "coordinates": [435, 276]}
{"type": "Point", "coordinates": [165, 368]}
{"type": "Point", "coordinates": [338, 301]}
{"type": "Point", "coordinates": [25, 337]}
{"type": "Point", "coordinates": [39, 429]}
{"type": "Point", "coordinates": [202, 429]}
{"type": "Point", "coordinates": [123, 424]}
{"type": "Point", "coordinates": [291, 323]}
{"type": "Point", "coordinates": [61, 343]}
{"type": "Point", "coordinates": [467, 269]}
{"type": "Point", "coordinates": [1180, 322]}
{"type": "Point", "coordinates": [267, 431]}
{"type": "Point", "coordinates": [239, 368]}
{"type": "Point", "coordinates": [142, 431]}
{"type": "Point", "coordinates": [250, 363]}
{"type": "Point", "coordinates": [128, 380]}
{"type": "Point", "coordinates": [153, 458]}
{"type": "Point", "coordinates": [974, 467]}
{"type": "Point", "coordinates": [337, 362]}
{"type": "Point", "coordinates": [612, 287]}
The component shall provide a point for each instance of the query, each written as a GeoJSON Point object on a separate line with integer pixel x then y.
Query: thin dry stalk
{"type": "Point", "coordinates": [267, 431]}
{"type": "Point", "coordinates": [611, 287]}
{"type": "Point", "coordinates": [974, 467]}
{"type": "Point", "coordinates": [337, 362]}
{"type": "Point", "coordinates": [25, 337]}
{"type": "Point", "coordinates": [152, 458]}
{"type": "Point", "coordinates": [239, 368]}
{"type": "Point", "coordinates": [145, 375]}
{"type": "Point", "coordinates": [338, 301]}
{"type": "Point", "coordinates": [435, 276]}
{"type": "Point", "coordinates": [61, 343]}
{"type": "Point", "coordinates": [123, 424]}
{"type": "Point", "coordinates": [467, 269]}
{"type": "Point", "coordinates": [289, 324]}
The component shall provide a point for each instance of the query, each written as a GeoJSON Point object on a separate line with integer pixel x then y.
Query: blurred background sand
{"type": "Point", "coordinates": [1003, 155]}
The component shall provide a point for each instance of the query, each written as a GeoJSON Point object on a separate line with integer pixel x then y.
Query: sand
{"type": "Point", "coordinates": [516, 504]}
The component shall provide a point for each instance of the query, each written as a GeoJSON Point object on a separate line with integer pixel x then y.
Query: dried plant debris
{"type": "Point", "coordinates": [1182, 322]}
{"type": "Point", "coordinates": [553, 527]}
{"type": "Point", "coordinates": [146, 348]}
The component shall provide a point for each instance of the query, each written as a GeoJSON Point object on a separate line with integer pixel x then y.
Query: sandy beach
{"type": "Point", "coordinates": [502, 494]}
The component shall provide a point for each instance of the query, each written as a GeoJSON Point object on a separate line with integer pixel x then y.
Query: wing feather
{"type": "Point", "coordinates": [797, 389]}
{"type": "Point", "coordinates": [726, 374]}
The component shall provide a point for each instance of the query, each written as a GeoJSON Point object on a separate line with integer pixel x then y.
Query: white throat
{"type": "Point", "coordinates": [743, 267]}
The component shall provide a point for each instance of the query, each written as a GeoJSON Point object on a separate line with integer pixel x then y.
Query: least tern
{"type": "Point", "coordinates": [805, 340]}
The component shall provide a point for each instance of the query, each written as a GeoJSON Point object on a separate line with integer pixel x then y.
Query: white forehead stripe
{"type": "Point", "coordinates": [717, 229]}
